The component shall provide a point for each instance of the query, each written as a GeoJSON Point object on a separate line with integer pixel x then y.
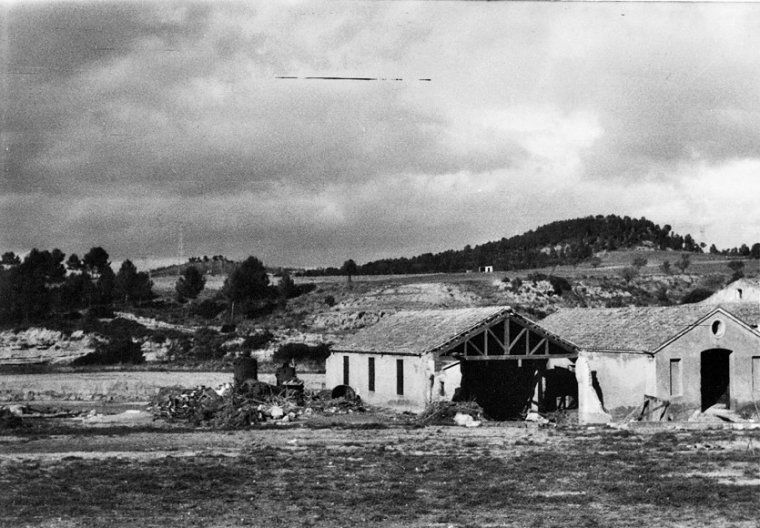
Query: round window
{"type": "Point", "coordinates": [718, 328]}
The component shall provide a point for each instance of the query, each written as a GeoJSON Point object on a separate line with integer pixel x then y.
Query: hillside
{"type": "Point", "coordinates": [557, 243]}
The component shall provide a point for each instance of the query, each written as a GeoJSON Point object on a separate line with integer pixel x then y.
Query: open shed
{"type": "Point", "coordinates": [491, 354]}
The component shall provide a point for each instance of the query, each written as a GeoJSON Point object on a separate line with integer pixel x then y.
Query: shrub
{"type": "Point", "coordinates": [684, 263]}
{"type": "Point", "coordinates": [207, 344]}
{"type": "Point", "coordinates": [302, 353]}
{"type": "Point", "coordinates": [253, 309]}
{"type": "Point", "coordinates": [639, 261]}
{"type": "Point", "coordinates": [101, 311]}
{"type": "Point", "coordinates": [257, 340]}
{"type": "Point", "coordinates": [559, 284]}
{"type": "Point", "coordinates": [629, 273]}
{"type": "Point", "coordinates": [120, 350]}
{"type": "Point", "coordinates": [737, 266]}
{"type": "Point", "coordinates": [696, 295]}
{"type": "Point", "coordinates": [207, 309]}
{"type": "Point", "coordinates": [330, 300]}
{"type": "Point", "coordinates": [119, 327]}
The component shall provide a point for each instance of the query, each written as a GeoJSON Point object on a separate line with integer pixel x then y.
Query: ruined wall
{"type": "Point", "coordinates": [417, 382]}
{"type": "Point", "coordinates": [447, 381]}
{"type": "Point", "coordinates": [622, 380]}
{"type": "Point", "coordinates": [743, 343]}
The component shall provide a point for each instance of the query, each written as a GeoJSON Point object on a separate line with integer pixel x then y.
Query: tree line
{"type": "Point", "coordinates": [557, 243]}
{"type": "Point", "coordinates": [46, 283]}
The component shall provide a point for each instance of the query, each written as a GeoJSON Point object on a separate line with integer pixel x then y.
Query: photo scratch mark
{"type": "Point", "coordinates": [340, 78]}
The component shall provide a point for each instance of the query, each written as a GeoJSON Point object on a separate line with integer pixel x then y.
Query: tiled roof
{"type": "Point", "coordinates": [635, 329]}
{"type": "Point", "coordinates": [419, 331]}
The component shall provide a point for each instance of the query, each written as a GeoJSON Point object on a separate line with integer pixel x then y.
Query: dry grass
{"type": "Point", "coordinates": [400, 477]}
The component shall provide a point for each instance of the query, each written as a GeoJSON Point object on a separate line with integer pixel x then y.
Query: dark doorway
{"type": "Point", "coordinates": [715, 379]}
{"type": "Point", "coordinates": [502, 388]}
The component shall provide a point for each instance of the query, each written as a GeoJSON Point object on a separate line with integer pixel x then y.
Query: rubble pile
{"type": "Point", "coordinates": [452, 413]}
{"type": "Point", "coordinates": [251, 403]}
{"type": "Point", "coordinates": [13, 416]}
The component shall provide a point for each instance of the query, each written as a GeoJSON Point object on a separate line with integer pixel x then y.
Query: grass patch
{"type": "Point", "coordinates": [582, 483]}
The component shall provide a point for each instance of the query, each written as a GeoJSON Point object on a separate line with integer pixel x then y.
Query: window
{"type": "Point", "coordinates": [400, 377]}
{"type": "Point", "coordinates": [345, 371]}
{"type": "Point", "coordinates": [756, 374]}
{"type": "Point", "coordinates": [676, 381]}
{"type": "Point", "coordinates": [718, 328]}
{"type": "Point", "coordinates": [371, 373]}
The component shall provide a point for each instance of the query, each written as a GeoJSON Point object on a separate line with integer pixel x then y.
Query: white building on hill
{"type": "Point", "coordinates": [739, 291]}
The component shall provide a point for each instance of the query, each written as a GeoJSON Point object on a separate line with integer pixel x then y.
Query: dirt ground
{"type": "Point", "coordinates": [376, 470]}
{"type": "Point", "coordinates": [117, 385]}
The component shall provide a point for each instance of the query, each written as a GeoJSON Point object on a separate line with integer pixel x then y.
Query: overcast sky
{"type": "Point", "coordinates": [126, 123]}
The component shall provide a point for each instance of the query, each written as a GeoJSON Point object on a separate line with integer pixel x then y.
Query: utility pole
{"type": "Point", "coordinates": [180, 247]}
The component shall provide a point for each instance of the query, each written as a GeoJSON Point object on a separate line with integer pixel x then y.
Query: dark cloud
{"type": "Point", "coordinates": [127, 122]}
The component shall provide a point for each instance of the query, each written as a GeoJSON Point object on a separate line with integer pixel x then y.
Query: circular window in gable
{"type": "Point", "coordinates": [718, 328]}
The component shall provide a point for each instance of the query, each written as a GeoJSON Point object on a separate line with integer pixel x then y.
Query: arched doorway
{"type": "Point", "coordinates": [715, 378]}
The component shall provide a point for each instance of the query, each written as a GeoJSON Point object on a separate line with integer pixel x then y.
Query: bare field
{"type": "Point", "coordinates": [117, 385]}
{"type": "Point", "coordinates": [382, 475]}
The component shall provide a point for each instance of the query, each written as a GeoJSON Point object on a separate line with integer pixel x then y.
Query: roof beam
{"type": "Point", "coordinates": [540, 343]}
{"type": "Point", "coordinates": [516, 339]}
{"type": "Point", "coordinates": [468, 344]}
{"type": "Point", "coordinates": [496, 338]}
{"type": "Point", "coordinates": [517, 357]}
{"type": "Point", "coordinates": [465, 336]}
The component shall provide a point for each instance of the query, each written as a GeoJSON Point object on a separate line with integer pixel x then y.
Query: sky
{"type": "Point", "coordinates": [132, 125]}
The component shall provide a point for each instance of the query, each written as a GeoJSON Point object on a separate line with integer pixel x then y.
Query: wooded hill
{"type": "Point", "coordinates": [557, 243]}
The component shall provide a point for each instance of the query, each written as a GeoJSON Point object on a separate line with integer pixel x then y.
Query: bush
{"type": "Point", "coordinates": [559, 284]}
{"type": "Point", "coordinates": [257, 340]}
{"type": "Point", "coordinates": [207, 309]}
{"type": "Point", "coordinates": [696, 295]}
{"type": "Point", "coordinates": [302, 353]}
{"type": "Point", "coordinates": [101, 311]}
{"type": "Point", "coordinates": [639, 261]}
{"type": "Point", "coordinates": [120, 350]}
{"type": "Point", "coordinates": [629, 273]}
{"type": "Point", "coordinates": [119, 327]}
{"type": "Point", "coordinates": [253, 309]}
{"type": "Point", "coordinates": [207, 344]}
{"type": "Point", "coordinates": [684, 263]}
{"type": "Point", "coordinates": [330, 301]}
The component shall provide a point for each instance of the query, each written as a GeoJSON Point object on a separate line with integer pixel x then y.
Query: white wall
{"type": "Point", "coordinates": [624, 379]}
{"type": "Point", "coordinates": [417, 384]}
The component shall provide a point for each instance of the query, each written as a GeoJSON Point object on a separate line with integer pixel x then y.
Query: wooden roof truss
{"type": "Point", "coordinates": [509, 338]}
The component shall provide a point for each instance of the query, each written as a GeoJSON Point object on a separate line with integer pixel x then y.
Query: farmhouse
{"type": "Point", "coordinates": [739, 291]}
{"type": "Point", "coordinates": [688, 357]}
{"type": "Point", "coordinates": [411, 358]}
{"type": "Point", "coordinates": [608, 362]}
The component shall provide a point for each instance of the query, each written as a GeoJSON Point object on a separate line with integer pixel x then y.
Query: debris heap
{"type": "Point", "coordinates": [446, 412]}
{"type": "Point", "coordinates": [250, 403]}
